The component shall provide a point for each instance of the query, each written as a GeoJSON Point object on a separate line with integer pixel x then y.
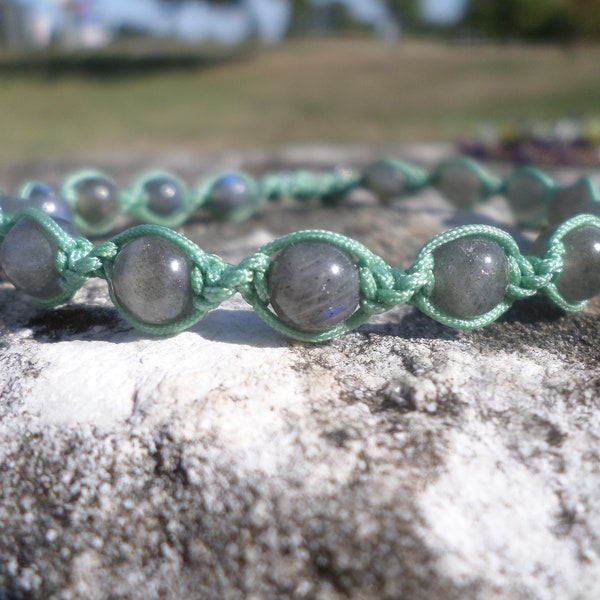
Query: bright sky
{"type": "Point", "coordinates": [444, 10]}
{"type": "Point", "coordinates": [148, 13]}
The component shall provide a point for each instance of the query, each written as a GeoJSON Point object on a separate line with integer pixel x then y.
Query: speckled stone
{"type": "Point", "coordinates": [230, 195]}
{"type": "Point", "coordinates": [28, 258]}
{"type": "Point", "coordinates": [385, 181]}
{"type": "Point", "coordinates": [471, 276]}
{"type": "Point", "coordinates": [151, 280]}
{"type": "Point", "coordinates": [313, 285]}
{"type": "Point", "coordinates": [459, 185]}
{"type": "Point", "coordinates": [97, 200]}
{"type": "Point", "coordinates": [403, 461]}
{"type": "Point", "coordinates": [164, 195]}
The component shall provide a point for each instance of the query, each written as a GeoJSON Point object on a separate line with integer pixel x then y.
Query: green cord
{"type": "Point", "coordinates": [304, 185]}
{"type": "Point", "coordinates": [381, 287]}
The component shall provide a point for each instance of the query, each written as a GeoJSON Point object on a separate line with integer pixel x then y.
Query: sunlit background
{"type": "Point", "coordinates": [100, 76]}
{"type": "Point", "coordinates": [95, 23]}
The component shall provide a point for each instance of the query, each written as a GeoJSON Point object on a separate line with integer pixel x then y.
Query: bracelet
{"type": "Point", "coordinates": [309, 285]}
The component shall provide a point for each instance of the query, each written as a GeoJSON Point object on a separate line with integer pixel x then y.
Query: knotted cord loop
{"type": "Point", "coordinates": [212, 280]}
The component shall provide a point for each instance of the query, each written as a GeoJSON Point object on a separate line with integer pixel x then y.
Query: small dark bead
{"type": "Point", "coordinates": [230, 195]}
{"type": "Point", "coordinates": [313, 285]}
{"type": "Point", "coordinates": [164, 195]}
{"type": "Point", "coordinates": [471, 276]}
{"type": "Point", "coordinates": [28, 258]}
{"type": "Point", "coordinates": [151, 280]}
{"type": "Point", "coordinates": [97, 200]}
{"type": "Point", "coordinates": [459, 185]}
{"type": "Point", "coordinates": [575, 199]}
{"type": "Point", "coordinates": [386, 181]}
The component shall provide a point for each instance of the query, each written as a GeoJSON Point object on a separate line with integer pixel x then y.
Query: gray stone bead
{"type": "Point", "coordinates": [459, 185]}
{"type": "Point", "coordinates": [164, 195]}
{"type": "Point", "coordinates": [54, 206]}
{"type": "Point", "coordinates": [230, 194]}
{"type": "Point", "coordinates": [313, 285]}
{"type": "Point", "coordinates": [384, 180]}
{"type": "Point", "coordinates": [580, 276]}
{"type": "Point", "coordinates": [97, 200]}
{"type": "Point", "coordinates": [13, 204]}
{"type": "Point", "coordinates": [28, 258]}
{"type": "Point", "coordinates": [526, 194]}
{"type": "Point", "coordinates": [575, 199]}
{"type": "Point", "coordinates": [48, 200]}
{"type": "Point", "coordinates": [151, 280]}
{"type": "Point", "coordinates": [471, 276]}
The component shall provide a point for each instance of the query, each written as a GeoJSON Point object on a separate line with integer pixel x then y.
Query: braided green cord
{"type": "Point", "coordinates": [69, 192]}
{"type": "Point", "coordinates": [328, 187]}
{"type": "Point", "coordinates": [135, 201]}
{"type": "Point", "coordinates": [553, 255]}
{"type": "Point", "coordinates": [381, 286]}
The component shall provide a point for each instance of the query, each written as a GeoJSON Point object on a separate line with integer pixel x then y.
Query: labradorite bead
{"type": "Point", "coordinates": [54, 206]}
{"type": "Point", "coordinates": [48, 200]}
{"type": "Point", "coordinates": [525, 194]}
{"type": "Point", "coordinates": [384, 180]}
{"type": "Point", "coordinates": [151, 280]}
{"type": "Point", "coordinates": [471, 276]}
{"type": "Point", "coordinates": [570, 201]}
{"type": "Point", "coordinates": [164, 195]}
{"type": "Point", "coordinates": [459, 185]}
{"type": "Point", "coordinates": [97, 200]}
{"type": "Point", "coordinates": [230, 194]}
{"type": "Point", "coordinates": [580, 276]}
{"type": "Point", "coordinates": [313, 285]}
{"type": "Point", "coordinates": [28, 258]}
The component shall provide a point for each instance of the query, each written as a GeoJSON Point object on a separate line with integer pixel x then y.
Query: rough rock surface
{"type": "Point", "coordinates": [405, 460]}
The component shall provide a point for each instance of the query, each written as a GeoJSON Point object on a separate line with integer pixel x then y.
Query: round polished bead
{"type": "Point", "coordinates": [313, 285]}
{"type": "Point", "coordinates": [526, 194]}
{"type": "Point", "coordinates": [164, 195]}
{"type": "Point", "coordinates": [385, 180]}
{"type": "Point", "coordinates": [54, 206]}
{"type": "Point", "coordinates": [230, 195]}
{"type": "Point", "coordinates": [28, 258]}
{"type": "Point", "coordinates": [97, 199]}
{"type": "Point", "coordinates": [151, 280]}
{"type": "Point", "coordinates": [471, 276]}
{"type": "Point", "coordinates": [48, 200]}
{"type": "Point", "coordinates": [575, 199]}
{"type": "Point", "coordinates": [580, 275]}
{"type": "Point", "coordinates": [459, 185]}
{"type": "Point", "coordinates": [13, 204]}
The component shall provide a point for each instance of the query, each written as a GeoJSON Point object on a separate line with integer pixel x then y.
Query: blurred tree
{"type": "Point", "coordinates": [586, 18]}
{"type": "Point", "coordinates": [408, 13]}
{"type": "Point", "coordinates": [561, 20]}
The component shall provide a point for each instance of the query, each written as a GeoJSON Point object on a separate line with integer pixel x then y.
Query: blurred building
{"type": "Point", "coordinates": [75, 23]}
{"type": "Point", "coordinates": [84, 25]}
{"type": "Point", "coordinates": [95, 23]}
{"type": "Point", "coordinates": [21, 26]}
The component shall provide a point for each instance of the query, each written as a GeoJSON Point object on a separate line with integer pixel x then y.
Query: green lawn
{"type": "Point", "coordinates": [342, 91]}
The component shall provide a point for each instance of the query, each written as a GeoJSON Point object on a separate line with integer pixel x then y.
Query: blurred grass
{"type": "Point", "coordinates": [336, 91]}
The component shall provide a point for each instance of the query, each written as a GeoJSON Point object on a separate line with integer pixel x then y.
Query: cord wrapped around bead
{"type": "Point", "coordinates": [309, 285]}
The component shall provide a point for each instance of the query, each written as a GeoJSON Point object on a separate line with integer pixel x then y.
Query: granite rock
{"type": "Point", "coordinates": [404, 460]}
